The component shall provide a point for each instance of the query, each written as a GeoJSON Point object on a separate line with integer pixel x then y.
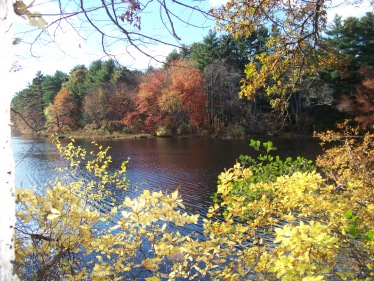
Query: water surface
{"type": "Point", "coordinates": [189, 164]}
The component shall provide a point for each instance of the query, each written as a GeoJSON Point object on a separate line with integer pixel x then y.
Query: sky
{"type": "Point", "coordinates": [71, 46]}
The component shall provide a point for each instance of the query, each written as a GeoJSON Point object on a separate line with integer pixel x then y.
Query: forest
{"type": "Point", "coordinates": [196, 90]}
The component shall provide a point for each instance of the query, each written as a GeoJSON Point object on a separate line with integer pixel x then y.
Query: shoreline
{"type": "Point", "coordinates": [119, 136]}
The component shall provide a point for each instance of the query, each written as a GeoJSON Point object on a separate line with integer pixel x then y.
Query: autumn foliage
{"type": "Point", "coordinates": [188, 83]}
{"type": "Point", "coordinates": [294, 72]}
{"type": "Point", "coordinates": [293, 54]}
{"type": "Point", "coordinates": [362, 103]}
{"type": "Point", "coordinates": [63, 112]}
{"type": "Point", "coordinates": [303, 226]}
{"type": "Point", "coordinates": [271, 219]}
{"type": "Point", "coordinates": [171, 99]}
{"type": "Point", "coordinates": [146, 115]}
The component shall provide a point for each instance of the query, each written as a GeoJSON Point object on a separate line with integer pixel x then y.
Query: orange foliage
{"type": "Point", "coordinates": [65, 110]}
{"type": "Point", "coordinates": [169, 99]}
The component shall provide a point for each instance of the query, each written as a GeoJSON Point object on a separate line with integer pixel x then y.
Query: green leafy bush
{"type": "Point", "coordinates": [265, 168]}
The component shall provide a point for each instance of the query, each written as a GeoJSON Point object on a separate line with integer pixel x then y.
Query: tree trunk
{"type": "Point", "coordinates": [7, 202]}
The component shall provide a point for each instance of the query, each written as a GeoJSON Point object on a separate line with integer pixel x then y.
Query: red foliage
{"type": "Point", "coordinates": [169, 98]}
{"type": "Point", "coordinates": [120, 103]}
{"type": "Point", "coordinates": [188, 82]}
{"type": "Point", "coordinates": [362, 103]}
{"type": "Point", "coordinates": [147, 112]}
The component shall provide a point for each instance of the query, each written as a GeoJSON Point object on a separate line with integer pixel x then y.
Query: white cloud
{"type": "Point", "coordinates": [345, 9]}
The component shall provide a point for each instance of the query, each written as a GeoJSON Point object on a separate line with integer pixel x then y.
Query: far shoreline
{"type": "Point", "coordinates": [120, 136]}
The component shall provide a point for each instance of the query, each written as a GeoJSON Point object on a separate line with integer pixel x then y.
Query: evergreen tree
{"type": "Point", "coordinates": [76, 85]}
{"type": "Point", "coordinates": [51, 85]}
{"type": "Point", "coordinates": [30, 107]}
{"type": "Point", "coordinates": [358, 40]}
{"type": "Point", "coordinates": [206, 52]}
{"type": "Point", "coordinates": [353, 41]}
{"type": "Point", "coordinates": [100, 73]}
{"type": "Point", "coordinates": [175, 55]}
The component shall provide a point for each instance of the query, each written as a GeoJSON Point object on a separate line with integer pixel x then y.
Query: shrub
{"type": "Point", "coordinates": [68, 232]}
{"type": "Point", "coordinates": [112, 126]}
{"type": "Point", "coordinates": [185, 129]}
{"type": "Point", "coordinates": [163, 132]}
{"type": "Point", "coordinates": [301, 226]}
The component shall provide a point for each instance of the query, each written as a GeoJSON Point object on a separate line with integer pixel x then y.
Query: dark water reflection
{"type": "Point", "coordinates": [190, 164]}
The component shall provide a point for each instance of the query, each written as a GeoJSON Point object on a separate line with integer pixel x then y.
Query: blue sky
{"type": "Point", "coordinates": [70, 47]}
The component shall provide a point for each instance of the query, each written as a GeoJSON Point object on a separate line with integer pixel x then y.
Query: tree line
{"type": "Point", "coordinates": [196, 90]}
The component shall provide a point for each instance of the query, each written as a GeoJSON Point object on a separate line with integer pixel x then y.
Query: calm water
{"type": "Point", "coordinates": [190, 164]}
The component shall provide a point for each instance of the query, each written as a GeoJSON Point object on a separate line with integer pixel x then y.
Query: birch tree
{"type": "Point", "coordinates": [7, 218]}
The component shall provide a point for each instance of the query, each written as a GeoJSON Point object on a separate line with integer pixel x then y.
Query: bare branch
{"type": "Point", "coordinates": [119, 22]}
{"type": "Point", "coordinates": [36, 131]}
{"type": "Point", "coordinates": [170, 21]}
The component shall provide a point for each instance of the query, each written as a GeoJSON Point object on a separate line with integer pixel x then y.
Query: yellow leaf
{"type": "Point", "coordinates": [113, 211]}
{"type": "Point", "coordinates": [54, 211]}
{"type": "Point", "coordinates": [53, 216]}
{"type": "Point", "coordinates": [163, 227]}
{"type": "Point", "coordinates": [153, 278]}
{"type": "Point", "coordinates": [146, 193]}
{"type": "Point", "coordinates": [174, 195]}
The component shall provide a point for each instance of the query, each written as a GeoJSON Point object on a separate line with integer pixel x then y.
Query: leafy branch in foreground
{"type": "Point", "coordinates": [296, 47]}
{"type": "Point", "coordinates": [300, 225]}
{"type": "Point", "coordinates": [75, 229]}
{"type": "Point", "coordinates": [55, 228]}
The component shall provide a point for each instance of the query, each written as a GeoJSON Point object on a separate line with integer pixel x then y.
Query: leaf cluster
{"type": "Point", "coordinates": [34, 18]}
{"type": "Point", "coordinates": [301, 226]}
{"type": "Point", "coordinates": [264, 168]}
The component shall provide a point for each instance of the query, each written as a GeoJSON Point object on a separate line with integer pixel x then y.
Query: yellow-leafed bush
{"type": "Point", "coordinates": [298, 225]}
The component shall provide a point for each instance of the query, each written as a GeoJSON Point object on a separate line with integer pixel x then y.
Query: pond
{"type": "Point", "coordinates": [189, 164]}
